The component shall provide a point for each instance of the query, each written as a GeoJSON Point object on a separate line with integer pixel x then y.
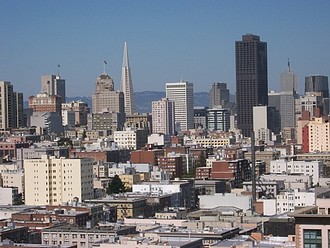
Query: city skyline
{"type": "Point", "coordinates": [169, 41]}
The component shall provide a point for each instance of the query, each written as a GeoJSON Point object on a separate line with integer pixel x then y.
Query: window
{"type": "Point", "coordinates": [312, 238]}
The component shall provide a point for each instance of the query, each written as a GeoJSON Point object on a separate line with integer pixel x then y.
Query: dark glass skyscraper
{"type": "Point", "coordinates": [317, 83]}
{"type": "Point", "coordinates": [251, 79]}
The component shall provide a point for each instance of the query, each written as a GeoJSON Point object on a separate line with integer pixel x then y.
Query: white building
{"type": "Point", "coordinates": [218, 199]}
{"type": "Point", "coordinates": [130, 138]}
{"type": "Point", "coordinates": [308, 168]}
{"type": "Point", "coordinates": [126, 85]}
{"type": "Point", "coordinates": [53, 181]}
{"type": "Point", "coordinates": [159, 139]}
{"type": "Point", "coordinates": [289, 199]}
{"type": "Point", "coordinates": [8, 196]}
{"type": "Point", "coordinates": [260, 124]}
{"type": "Point", "coordinates": [182, 93]}
{"type": "Point", "coordinates": [163, 117]}
{"type": "Point", "coordinates": [290, 181]}
{"type": "Point", "coordinates": [68, 118]}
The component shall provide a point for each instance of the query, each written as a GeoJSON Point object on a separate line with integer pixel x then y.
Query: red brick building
{"type": "Point", "coordinates": [147, 156]}
{"type": "Point", "coordinates": [236, 170]}
{"type": "Point", "coordinates": [45, 103]}
{"type": "Point", "coordinates": [173, 165]}
{"type": "Point", "coordinates": [203, 172]}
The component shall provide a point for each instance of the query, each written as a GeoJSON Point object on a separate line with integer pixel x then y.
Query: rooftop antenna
{"type": "Point", "coordinates": [58, 70]}
{"type": "Point", "coordinates": [289, 64]}
{"type": "Point", "coordinates": [104, 64]}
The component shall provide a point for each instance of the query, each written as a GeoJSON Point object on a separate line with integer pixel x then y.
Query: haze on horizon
{"type": "Point", "coordinates": [167, 41]}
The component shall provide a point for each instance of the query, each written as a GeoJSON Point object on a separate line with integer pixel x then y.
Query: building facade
{"type": "Point", "coordinates": [219, 95]}
{"type": "Point", "coordinates": [11, 107]}
{"type": "Point", "coordinates": [218, 119]}
{"type": "Point", "coordinates": [163, 117]}
{"type": "Point", "coordinates": [54, 181]}
{"type": "Point", "coordinates": [105, 98]}
{"type": "Point", "coordinates": [53, 85]}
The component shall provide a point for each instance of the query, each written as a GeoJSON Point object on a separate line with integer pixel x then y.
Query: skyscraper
{"type": "Point", "coordinates": [317, 83]}
{"type": "Point", "coordinates": [11, 107]}
{"type": "Point", "coordinates": [105, 98]}
{"type": "Point", "coordinates": [182, 94]}
{"type": "Point", "coordinates": [53, 85]}
{"type": "Point", "coordinates": [287, 99]}
{"type": "Point", "coordinates": [219, 95]}
{"type": "Point", "coordinates": [251, 79]}
{"type": "Point", "coordinates": [127, 85]}
{"type": "Point", "coordinates": [163, 117]}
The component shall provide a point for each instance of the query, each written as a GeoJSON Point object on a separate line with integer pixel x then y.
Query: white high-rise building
{"type": "Point", "coordinates": [182, 94]}
{"type": "Point", "coordinates": [163, 116]}
{"type": "Point", "coordinates": [260, 124]}
{"type": "Point", "coordinates": [127, 85]}
{"type": "Point", "coordinates": [53, 181]}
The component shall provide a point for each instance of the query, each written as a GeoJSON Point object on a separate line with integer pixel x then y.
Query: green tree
{"type": "Point", "coordinates": [65, 142]}
{"type": "Point", "coordinates": [202, 160]}
{"type": "Point", "coordinates": [115, 186]}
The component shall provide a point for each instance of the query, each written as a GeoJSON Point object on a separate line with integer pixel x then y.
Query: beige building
{"type": "Point", "coordinates": [12, 179]}
{"type": "Point", "coordinates": [163, 117]}
{"type": "Point", "coordinates": [105, 98]}
{"type": "Point", "coordinates": [131, 138]}
{"type": "Point", "coordinates": [126, 207]}
{"type": "Point", "coordinates": [319, 137]}
{"type": "Point", "coordinates": [52, 181]}
{"type": "Point", "coordinates": [129, 180]}
{"type": "Point", "coordinates": [213, 142]}
{"type": "Point", "coordinates": [79, 110]}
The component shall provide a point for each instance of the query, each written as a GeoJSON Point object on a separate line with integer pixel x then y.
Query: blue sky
{"type": "Point", "coordinates": [167, 40]}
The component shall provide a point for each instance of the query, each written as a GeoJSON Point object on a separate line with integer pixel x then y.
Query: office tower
{"type": "Point", "coordinates": [182, 94]}
{"type": "Point", "coordinates": [163, 117]}
{"type": "Point", "coordinates": [54, 181]}
{"type": "Point", "coordinates": [105, 98]}
{"type": "Point", "coordinates": [200, 117]}
{"type": "Point", "coordinates": [287, 98]}
{"type": "Point", "coordinates": [311, 102]}
{"type": "Point", "coordinates": [112, 121]}
{"type": "Point", "coordinates": [19, 108]}
{"type": "Point", "coordinates": [219, 95]}
{"type": "Point", "coordinates": [274, 99]}
{"type": "Point", "coordinates": [53, 85]}
{"type": "Point", "coordinates": [11, 106]}
{"type": "Point", "coordinates": [265, 121]}
{"type": "Point", "coordinates": [140, 121]}
{"type": "Point", "coordinates": [80, 111]}
{"type": "Point", "coordinates": [127, 85]}
{"type": "Point", "coordinates": [218, 119]}
{"type": "Point", "coordinates": [317, 83]}
{"type": "Point", "coordinates": [251, 79]}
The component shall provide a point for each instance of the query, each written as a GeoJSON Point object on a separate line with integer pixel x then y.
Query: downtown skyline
{"type": "Point", "coordinates": [168, 41]}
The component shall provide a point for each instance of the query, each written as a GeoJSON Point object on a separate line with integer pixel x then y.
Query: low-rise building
{"type": "Point", "coordinates": [126, 207]}
{"type": "Point", "coordinates": [83, 237]}
{"type": "Point", "coordinates": [227, 199]}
